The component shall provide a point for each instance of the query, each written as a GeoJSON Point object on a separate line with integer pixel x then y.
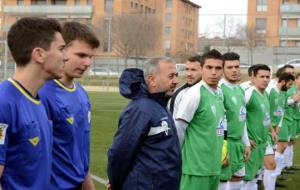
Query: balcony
{"type": "Point", "coordinates": [290, 9]}
{"type": "Point", "coordinates": [289, 32]}
{"type": "Point", "coordinates": [81, 11]}
{"type": "Point", "coordinates": [285, 50]}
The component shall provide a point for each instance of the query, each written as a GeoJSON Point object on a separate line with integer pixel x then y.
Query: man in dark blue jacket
{"type": "Point", "coordinates": [145, 153]}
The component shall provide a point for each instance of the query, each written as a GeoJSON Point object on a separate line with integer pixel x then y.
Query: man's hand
{"type": "Point", "coordinates": [247, 153]}
{"type": "Point", "coordinates": [252, 143]}
{"type": "Point", "coordinates": [108, 186]}
{"type": "Point", "coordinates": [296, 97]}
{"type": "Point", "coordinates": [277, 130]}
{"type": "Point", "coordinates": [274, 136]}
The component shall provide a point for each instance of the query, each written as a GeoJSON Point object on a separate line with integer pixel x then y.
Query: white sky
{"type": "Point", "coordinates": [211, 10]}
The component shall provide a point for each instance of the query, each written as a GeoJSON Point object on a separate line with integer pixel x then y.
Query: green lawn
{"type": "Point", "coordinates": [106, 109]}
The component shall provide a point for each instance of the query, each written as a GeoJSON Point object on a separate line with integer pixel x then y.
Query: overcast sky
{"type": "Point", "coordinates": [211, 10]}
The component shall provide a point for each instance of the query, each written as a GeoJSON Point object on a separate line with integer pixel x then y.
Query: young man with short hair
{"type": "Point", "coordinates": [258, 123]}
{"type": "Point", "coordinates": [237, 136]}
{"type": "Point", "coordinates": [200, 124]}
{"type": "Point", "coordinates": [37, 47]}
{"type": "Point", "coordinates": [273, 161]}
{"type": "Point", "coordinates": [69, 109]}
{"type": "Point", "coordinates": [192, 68]}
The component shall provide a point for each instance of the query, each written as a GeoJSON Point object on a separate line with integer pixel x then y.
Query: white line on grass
{"type": "Point", "coordinates": [99, 179]}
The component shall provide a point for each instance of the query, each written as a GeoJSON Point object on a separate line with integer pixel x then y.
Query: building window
{"type": "Point", "coordinates": [142, 8]}
{"type": "Point", "coordinates": [260, 43]}
{"type": "Point", "coordinates": [168, 30]}
{"type": "Point", "coordinates": [77, 2]}
{"type": "Point", "coordinates": [167, 44]}
{"type": "Point", "coordinates": [284, 22]}
{"type": "Point", "coordinates": [132, 5]}
{"type": "Point", "coordinates": [261, 5]}
{"type": "Point", "coordinates": [89, 2]}
{"type": "Point", "coordinates": [58, 2]}
{"type": "Point", "coordinates": [283, 43]}
{"type": "Point", "coordinates": [108, 5]}
{"type": "Point", "coordinates": [298, 22]}
{"type": "Point", "coordinates": [20, 2]}
{"type": "Point", "coordinates": [39, 2]}
{"type": "Point", "coordinates": [168, 17]}
{"type": "Point", "coordinates": [168, 3]}
{"type": "Point", "coordinates": [261, 24]}
{"type": "Point", "coordinates": [285, 1]}
{"type": "Point", "coordinates": [297, 43]}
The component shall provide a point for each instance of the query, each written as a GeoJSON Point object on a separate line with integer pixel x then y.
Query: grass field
{"type": "Point", "coordinates": [106, 109]}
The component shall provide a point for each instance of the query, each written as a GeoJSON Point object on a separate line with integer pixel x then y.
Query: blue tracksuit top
{"type": "Point", "coordinates": [145, 152]}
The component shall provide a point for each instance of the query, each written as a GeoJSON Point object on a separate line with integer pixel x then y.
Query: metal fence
{"type": "Point", "coordinates": [226, 32]}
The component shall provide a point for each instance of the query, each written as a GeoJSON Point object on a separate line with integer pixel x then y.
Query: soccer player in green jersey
{"type": "Point", "coordinates": [237, 136]}
{"type": "Point", "coordinates": [200, 117]}
{"type": "Point", "coordinates": [258, 123]}
{"type": "Point", "coordinates": [193, 76]}
{"type": "Point", "coordinates": [276, 98]}
{"type": "Point", "coordinates": [290, 122]}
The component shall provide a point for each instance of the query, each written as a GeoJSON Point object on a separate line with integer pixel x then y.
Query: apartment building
{"type": "Point", "coordinates": [179, 18]}
{"type": "Point", "coordinates": [180, 25]}
{"type": "Point", "coordinates": [276, 23]}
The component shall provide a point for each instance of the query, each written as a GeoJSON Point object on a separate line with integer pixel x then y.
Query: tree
{"type": "Point", "coordinates": [131, 35]}
{"type": "Point", "coordinates": [249, 35]}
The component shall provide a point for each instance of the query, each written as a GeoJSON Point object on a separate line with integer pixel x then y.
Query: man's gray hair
{"type": "Point", "coordinates": [152, 65]}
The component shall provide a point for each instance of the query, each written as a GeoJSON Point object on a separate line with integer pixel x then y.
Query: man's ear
{"type": "Point", "coordinates": [151, 80]}
{"type": "Point", "coordinates": [38, 55]}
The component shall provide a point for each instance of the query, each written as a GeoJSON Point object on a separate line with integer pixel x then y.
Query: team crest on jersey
{"type": "Point", "coordinates": [165, 126]}
{"type": "Point", "coordinates": [70, 120]}
{"type": "Point", "coordinates": [34, 141]}
{"type": "Point", "coordinates": [221, 127]}
{"type": "Point", "coordinates": [213, 109]}
{"type": "Point", "coordinates": [267, 120]}
{"type": "Point", "coordinates": [3, 128]}
{"type": "Point", "coordinates": [234, 100]}
{"type": "Point", "coordinates": [243, 112]}
{"type": "Point", "coordinates": [279, 112]}
{"type": "Point", "coordinates": [159, 129]}
{"type": "Point", "coordinates": [263, 107]}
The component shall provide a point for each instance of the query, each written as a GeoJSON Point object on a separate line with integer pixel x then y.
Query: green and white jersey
{"type": "Point", "coordinates": [234, 103]}
{"type": "Point", "coordinates": [202, 108]}
{"type": "Point", "coordinates": [277, 103]}
{"type": "Point", "coordinates": [291, 107]}
{"type": "Point", "coordinates": [258, 118]}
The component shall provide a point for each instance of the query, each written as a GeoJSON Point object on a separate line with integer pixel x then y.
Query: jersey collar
{"type": "Point", "coordinates": [64, 87]}
{"type": "Point", "coordinates": [24, 92]}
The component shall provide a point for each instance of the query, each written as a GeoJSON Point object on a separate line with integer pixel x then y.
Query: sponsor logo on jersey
{"type": "Point", "coordinates": [3, 128]}
{"type": "Point", "coordinates": [34, 141]}
{"type": "Point", "coordinates": [267, 120]}
{"type": "Point", "coordinates": [221, 127]}
{"type": "Point", "coordinates": [70, 120]}
{"type": "Point", "coordinates": [242, 113]}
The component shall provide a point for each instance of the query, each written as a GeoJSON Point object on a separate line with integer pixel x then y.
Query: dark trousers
{"type": "Point", "coordinates": [78, 187]}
